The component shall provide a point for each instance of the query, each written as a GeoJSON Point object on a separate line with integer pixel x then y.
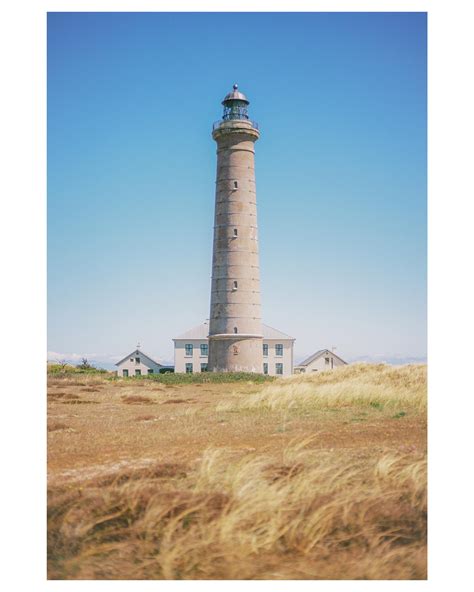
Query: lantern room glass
{"type": "Point", "coordinates": [235, 109]}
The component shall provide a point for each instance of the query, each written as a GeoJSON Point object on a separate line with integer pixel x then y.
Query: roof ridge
{"type": "Point", "coordinates": [316, 355]}
{"type": "Point", "coordinates": [184, 335]}
{"type": "Point", "coordinates": [137, 349]}
{"type": "Point", "coordinates": [277, 330]}
{"type": "Point", "coordinates": [194, 332]}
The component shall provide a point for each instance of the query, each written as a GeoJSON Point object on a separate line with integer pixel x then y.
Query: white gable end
{"type": "Point", "coordinates": [137, 364]}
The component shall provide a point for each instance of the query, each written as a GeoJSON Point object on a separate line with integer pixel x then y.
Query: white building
{"type": "Point", "coordinates": [137, 364]}
{"type": "Point", "coordinates": [321, 360]}
{"type": "Point", "coordinates": [191, 351]}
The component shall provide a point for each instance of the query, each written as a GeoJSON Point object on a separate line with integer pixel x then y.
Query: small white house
{"type": "Point", "coordinates": [137, 364]}
{"type": "Point", "coordinates": [191, 351]}
{"type": "Point", "coordinates": [321, 360]}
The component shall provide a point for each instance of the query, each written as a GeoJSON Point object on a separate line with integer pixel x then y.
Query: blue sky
{"type": "Point", "coordinates": [341, 176]}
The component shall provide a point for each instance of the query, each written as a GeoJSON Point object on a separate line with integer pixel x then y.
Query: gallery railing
{"type": "Point", "coordinates": [217, 124]}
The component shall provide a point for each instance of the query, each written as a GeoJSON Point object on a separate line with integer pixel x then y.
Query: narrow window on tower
{"type": "Point", "coordinates": [235, 329]}
{"type": "Point", "coordinates": [236, 184]}
{"type": "Point", "coordinates": [235, 232]}
{"type": "Point", "coordinates": [236, 285]}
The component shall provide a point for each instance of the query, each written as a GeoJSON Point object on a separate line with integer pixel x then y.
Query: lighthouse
{"type": "Point", "coordinates": [235, 323]}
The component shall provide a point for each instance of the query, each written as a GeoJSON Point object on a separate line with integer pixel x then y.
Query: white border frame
{"type": "Point", "coordinates": [23, 227]}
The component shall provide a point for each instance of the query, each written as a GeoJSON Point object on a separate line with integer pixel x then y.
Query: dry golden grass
{"type": "Point", "coordinates": [298, 479]}
{"type": "Point", "coordinates": [357, 384]}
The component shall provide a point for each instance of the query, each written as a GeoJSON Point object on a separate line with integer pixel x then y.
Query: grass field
{"type": "Point", "coordinates": [308, 477]}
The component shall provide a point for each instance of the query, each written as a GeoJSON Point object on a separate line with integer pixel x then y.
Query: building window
{"type": "Point", "coordinates": [131, 359]}
{"type": "Point", "coordinates": [236, 184]}
{"type": "Point", "coordinates": [137, 360]}
{"type": "Point", "coordinates": [279, 368]}
{"type": "Point", "coordinates": [235, 285]}
{"type": "Point", "coordinates": [189, 368]}
{"type": "Point", "coordinates": [188, 349]}
{"type": "Point", "coordinates": [265, 349]}
{"type": "Point", "coordinates": [203, 367]}
{"type": "Point", "coordinates": [138, 372]}
{"type": "Point", "coordinates": [125, 373]}
{"type": "Point", "coordinates": [235, 232]}
{"type": "Point", "coordinates": [150, 370]}
{"type": "Point", "coordinates": [235, 330]}
{"type": "Point", "coordinates": [265, 368]}
{"type": "Point", "coordinates": [327, 361]}
{"type": "Point", "coordinates": [279, 349]}
{"type": "Point", "coordinates": [204, 349]}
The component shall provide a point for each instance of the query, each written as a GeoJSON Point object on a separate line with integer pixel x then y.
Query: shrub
{"type": "Point", "coordinates": [68, 369]}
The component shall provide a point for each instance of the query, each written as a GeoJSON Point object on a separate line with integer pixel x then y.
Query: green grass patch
{"type": "Point", "coordinates": [200, 378]}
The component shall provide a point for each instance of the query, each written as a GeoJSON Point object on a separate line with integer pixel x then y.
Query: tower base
{"type": "Point", "coordinates": [235, 353]}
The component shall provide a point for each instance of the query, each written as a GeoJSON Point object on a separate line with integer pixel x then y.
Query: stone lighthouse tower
{"type": "Point", "coordinates": [235, 324]}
